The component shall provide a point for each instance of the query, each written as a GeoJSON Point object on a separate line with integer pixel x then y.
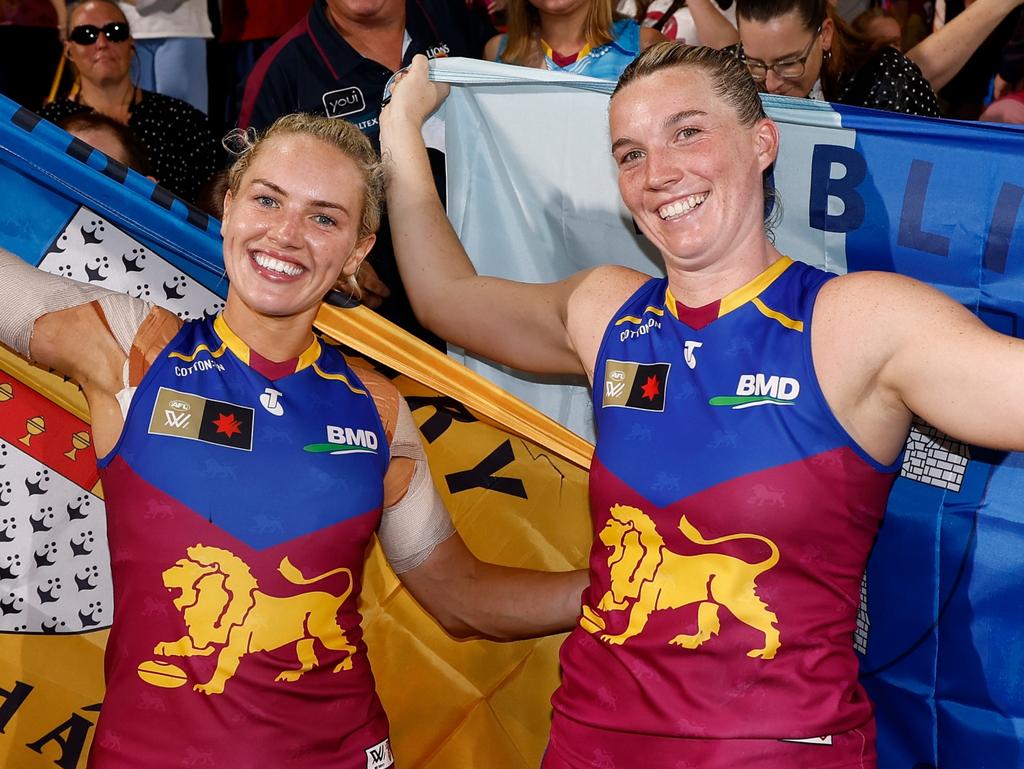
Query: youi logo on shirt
{"type": "Point", "coordinates": [344, 101]}
{"type": "Point", "coordinates": [760, 390]}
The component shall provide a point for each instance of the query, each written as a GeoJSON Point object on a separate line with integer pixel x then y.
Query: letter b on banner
{"type": "Point", "coordinates": [843, 187]}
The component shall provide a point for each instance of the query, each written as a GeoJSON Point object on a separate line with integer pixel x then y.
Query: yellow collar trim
{"type": "Point", "coordinates": [580, 55]}
{"type": "Point", "coordinates": [744, 293]}
{"type": "Point", "coordinates": [241, 350]}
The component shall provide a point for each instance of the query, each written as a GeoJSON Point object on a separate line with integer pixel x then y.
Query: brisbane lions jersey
{"type": "Point", "coordinates": [733, 517]}
{"type": "Point", "coordinates": [239, 513]}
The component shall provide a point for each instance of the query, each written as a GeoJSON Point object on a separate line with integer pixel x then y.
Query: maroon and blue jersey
{"type": "Point", "coordinates": [239, 513]}
{"type": "Point", "coordinates": [733, 517]}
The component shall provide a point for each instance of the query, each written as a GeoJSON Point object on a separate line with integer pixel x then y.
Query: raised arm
{"type": "Point", "coordinates": [944, 52]}
{"type": "Point", "coordinates": [713, 29]}
{"type": "Point", "coordinates": [890, 347]}
{"type": "Point", "coordinates": [83, 331]}
{"type": "Point", "coordinates": [523, 325]}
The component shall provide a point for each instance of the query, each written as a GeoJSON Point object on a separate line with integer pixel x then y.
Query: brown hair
{"type": "Point", "coordinates": [523, 37]}
{"type": "Point", "coordinates": [135, 153]}
{"type": "Point", "coordinates": [335, 133]}
{"type": "Point", "coordinates": [730, 81]}
{"type": "Point", "coordinates": [850, 50]}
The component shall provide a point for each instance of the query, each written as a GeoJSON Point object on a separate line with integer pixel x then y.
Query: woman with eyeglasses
{"type": "Point", "coordinates": [177, 136]}
{"type": "Point", "coordinates": [803, 48]}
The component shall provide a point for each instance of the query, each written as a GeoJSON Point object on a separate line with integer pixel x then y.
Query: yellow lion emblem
{"type": "Point", "coordinates": [645, 572]}
{"type": "Point", "coordinates": [225, 612]}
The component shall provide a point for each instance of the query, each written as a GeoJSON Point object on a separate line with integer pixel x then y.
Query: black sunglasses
{"type": "Point", "coordinates": [87, 34]}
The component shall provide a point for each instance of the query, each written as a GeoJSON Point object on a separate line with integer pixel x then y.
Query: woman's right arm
{"type": "Point", "coordinates": [80, 330]}
{"type": "Point", "coordinates": [518, 324]}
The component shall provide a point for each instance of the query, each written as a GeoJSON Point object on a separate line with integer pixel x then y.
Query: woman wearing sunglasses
{"type": "Point", "coordinates": [803, 48]}
{"type": "Point", "coordinates": [177, 136]}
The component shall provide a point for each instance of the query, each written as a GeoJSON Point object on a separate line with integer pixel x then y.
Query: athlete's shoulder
{"type": "Point", "coordinates": [385, 396]}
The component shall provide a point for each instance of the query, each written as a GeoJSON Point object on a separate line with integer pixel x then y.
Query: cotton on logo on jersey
{"type": "Point", "coordinates": [345, 440]}
{"type": "Point", "coordinates": [760, 390]}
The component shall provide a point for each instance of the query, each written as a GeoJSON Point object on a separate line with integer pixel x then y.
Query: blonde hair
{"type": "Point", "coordinates": [245, 144]}
{"type": "Point", "coordinates": [522, 44]}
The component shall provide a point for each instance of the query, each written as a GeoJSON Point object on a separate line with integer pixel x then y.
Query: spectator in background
{"type": "Point", "coordinates": [962, 56]}
{"type": "Point", "coordinates": [29, 48]}
{"type": "Point", "coordinates": [247, 29]}
{"type": "Point", "coordinates": [578, 36]}
{"type": "Point", "coordinates": [803, 48]}
{"type": "Point", "coordinates": [171, 40]}
{"type": "Point", "coordinates": [336, 62]}
{"type": "Point", "coordinates": [697, 22]}
{"type": "Point", "coordinates": [177, 137]}
{"type": "Point", "coordinates": [113, 139]}
{"type": "Point", "coordinates": [881, 26]}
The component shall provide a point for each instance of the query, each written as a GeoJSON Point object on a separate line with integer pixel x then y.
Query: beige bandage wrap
{"type": "Point", "coordinates": [27, 294]}
{"type": "Point", "coordinates": [411, 528]}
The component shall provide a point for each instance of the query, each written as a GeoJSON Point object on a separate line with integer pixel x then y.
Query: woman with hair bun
{"type": "Point", "coordinates": [725, 575]}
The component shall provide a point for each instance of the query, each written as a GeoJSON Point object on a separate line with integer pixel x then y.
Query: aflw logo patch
{"type": "Point", "coordinates": [184, 415]}
{"type": "Point", "coordinates": [345, 440]}
{"type": "Point", "coordinates": [379, 756]}
{"type": "Point", "coordinates": [635, 385]}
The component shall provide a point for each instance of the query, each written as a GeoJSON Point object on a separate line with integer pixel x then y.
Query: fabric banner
{"type": "Point", "coordinates": [71, 211]}
{"type": "Point", "coordinates": [532, 193]}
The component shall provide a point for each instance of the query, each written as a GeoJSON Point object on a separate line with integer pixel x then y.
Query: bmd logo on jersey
{"type": "Point", "coordinates": [760, 390]}
{"type": "Point", "coordinates": [345, 440]}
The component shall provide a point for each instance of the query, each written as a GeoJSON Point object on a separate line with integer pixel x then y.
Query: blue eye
{"type": "Point", "coordinates": [266, 201]}
{"type": "Point", "coordinates": [325, 220]}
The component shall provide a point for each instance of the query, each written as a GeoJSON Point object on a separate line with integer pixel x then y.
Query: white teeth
{"type": "Point", "coordinates": [276, 265]}
{"type": "Point", "coordinates": [683, 206]}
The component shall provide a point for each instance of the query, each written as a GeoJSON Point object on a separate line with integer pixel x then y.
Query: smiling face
{"type": "Point", "coordinates": [292, 227]}
{"type": "Point", "coordinates": [103, 62]}
{"type": "Point", "coordinates": [786, 38]}
{"type": "Point", "coordinates": [689, 171]}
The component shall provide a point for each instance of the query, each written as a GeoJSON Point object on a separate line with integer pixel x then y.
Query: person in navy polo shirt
{"type": "Point", "coordinates": [336, 62]}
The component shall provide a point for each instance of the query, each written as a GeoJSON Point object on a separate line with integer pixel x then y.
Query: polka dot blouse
{"type": "Point", "coordinates": [889, 81]}
{"type": "Point", "coordinates": [181, 149]}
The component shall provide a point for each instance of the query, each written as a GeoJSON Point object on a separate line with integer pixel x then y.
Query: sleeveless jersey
{"type": "Point", "coordinates": [733, 518]}
{"type": "Point", "coordinates": [239, 510]}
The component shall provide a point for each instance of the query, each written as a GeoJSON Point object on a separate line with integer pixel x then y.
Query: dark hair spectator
{"type": "Point", "coordinates": [177, 137]}
{"type": "Point", "coordinates": [114, 139]}
{"type": "Point", "coordinates": [803, 48]}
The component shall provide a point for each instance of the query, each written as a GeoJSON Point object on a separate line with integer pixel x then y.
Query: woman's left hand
{"type": "Point", "coordinates": [413, 95]}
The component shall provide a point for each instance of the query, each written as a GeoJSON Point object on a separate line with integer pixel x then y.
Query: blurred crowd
{"type": "Point", "coordinates": [164, 79]}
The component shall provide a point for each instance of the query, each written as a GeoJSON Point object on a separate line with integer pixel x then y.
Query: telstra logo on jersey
{"type": "Point", "coordinates": [345, 440]}
{"type": "Point", "coordinates": [760, 390]}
